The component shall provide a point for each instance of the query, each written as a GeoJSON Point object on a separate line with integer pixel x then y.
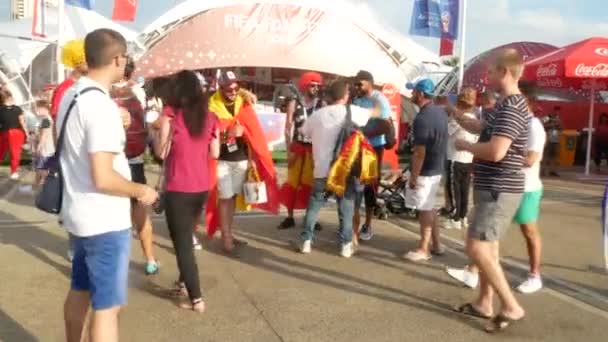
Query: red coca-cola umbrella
{"type": "Point", "coordinates": [580, 66]}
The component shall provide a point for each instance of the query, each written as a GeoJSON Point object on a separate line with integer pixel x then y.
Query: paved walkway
{"type": "Point", "coordinates": [274, 294]}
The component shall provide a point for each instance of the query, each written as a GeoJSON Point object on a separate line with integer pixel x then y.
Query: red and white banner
{"type": "Point", "coordinates": [394, 99]}
{"type": "Point", "coordinates": [124, 10]}
{"type": "Point", "coordinates": [39, 19]}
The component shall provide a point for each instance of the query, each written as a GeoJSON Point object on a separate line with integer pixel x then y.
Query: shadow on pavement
{"type": "Point", "coordinates": [560, 287]}
{"type": "Point", "coordinates": [36, 242]}
{"type": "Point", "coordinates": [10, 330]}
{"type": "Point", "coordinates": [262, 258]}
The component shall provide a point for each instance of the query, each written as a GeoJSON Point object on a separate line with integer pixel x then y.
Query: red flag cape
{"type": "Point", "coordinates": [261, 156]}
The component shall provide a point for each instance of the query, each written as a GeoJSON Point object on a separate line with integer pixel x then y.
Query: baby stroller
{"type": "Point", "coordinates": [391, 196]}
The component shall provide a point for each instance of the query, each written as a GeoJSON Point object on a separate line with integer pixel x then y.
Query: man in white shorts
{"type": "Point", "coordinates": [430, 144]}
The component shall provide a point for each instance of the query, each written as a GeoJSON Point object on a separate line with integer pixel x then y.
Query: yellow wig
{"type": "Point", "coordinates": [72, 54]}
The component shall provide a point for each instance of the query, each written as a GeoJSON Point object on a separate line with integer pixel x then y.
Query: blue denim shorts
{"type": "Point", "coordinates": [101, 266]}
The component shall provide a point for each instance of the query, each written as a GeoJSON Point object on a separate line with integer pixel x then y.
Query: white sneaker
{"type": "Point", "coordinates": [531, 285]}
{"type": "Point", "coordinates": [452, 224]}
{"type": "Point", "coordinates": [306, 247]}
{"type": "Point", "coordinates": [463, 275]}
{"type": "Point", "coordinates": [347, 250]}
{"type": "Point", "coordinates": [196, 244]}
{"type": "Point", "coordinates": [14, 176]}
{"type": "Point", "coordinates": [417, 256]}
{"type": "Point", "coordinates": [464, 224]}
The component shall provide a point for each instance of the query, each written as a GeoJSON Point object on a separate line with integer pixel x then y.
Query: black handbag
{"type": "Point", "coordinates": [50, 197]}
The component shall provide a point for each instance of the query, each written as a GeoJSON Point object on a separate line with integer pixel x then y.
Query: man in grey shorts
{"type": "Point", "coordinates": [498, 188]}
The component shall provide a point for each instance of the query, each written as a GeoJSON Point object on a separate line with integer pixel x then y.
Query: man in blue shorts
{"type": "Point", "coordinates": [97, 188]}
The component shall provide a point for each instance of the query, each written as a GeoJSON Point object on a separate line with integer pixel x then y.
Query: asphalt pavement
{"type": "Point", "coordinates": [272, 293]}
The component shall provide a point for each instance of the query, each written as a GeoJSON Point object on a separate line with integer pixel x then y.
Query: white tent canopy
{"type": "Point", "coordinates": [19, 46]}
{"type": "Point", "coordinates": [412, 57]}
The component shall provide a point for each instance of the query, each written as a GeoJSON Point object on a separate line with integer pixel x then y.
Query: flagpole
{"type": "Point", "coordinates": [463, 35]}
{"type": "Point", "coordinates": [60, 21]}
{"type": "Point", "coordinates": [590, 132]}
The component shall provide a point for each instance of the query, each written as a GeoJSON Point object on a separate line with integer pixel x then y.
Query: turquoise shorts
{"type": "Point", "coordinates": [529, 208]}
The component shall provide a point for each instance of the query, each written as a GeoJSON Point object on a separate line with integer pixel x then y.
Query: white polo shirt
{"type": "Point", "coordinates": [323, 128]}
{"type": "Point", "coordinates": [93, 126]}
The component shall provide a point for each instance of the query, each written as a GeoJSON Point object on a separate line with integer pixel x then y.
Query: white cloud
{"type": "Point", "coordinates": [542, 19]}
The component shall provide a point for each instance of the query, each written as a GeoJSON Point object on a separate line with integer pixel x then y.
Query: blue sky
{"type": "Point", "coordinates": [490, 22]}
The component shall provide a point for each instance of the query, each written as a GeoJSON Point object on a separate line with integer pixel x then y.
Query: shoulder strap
{"type": "Point", "coordinates": [61, 137]}
{"type": "Point", "coordinates": [349, 115]}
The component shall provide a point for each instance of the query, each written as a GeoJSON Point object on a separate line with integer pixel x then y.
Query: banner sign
{"type": "Point", "coordinates": [394, 98]}
{"type": "Point", "coordinates": [435, 18]}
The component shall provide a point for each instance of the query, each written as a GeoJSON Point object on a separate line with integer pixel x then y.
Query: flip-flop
{"type": "Point", "coordinates": [469, 310]}
{"type": "Point", "coordinates": [500, 323]}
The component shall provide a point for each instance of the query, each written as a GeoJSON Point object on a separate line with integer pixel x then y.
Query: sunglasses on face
{"type": "Point", "coordinates": [232, 89]}
{"type": "Point", "coordinates": [314, 86]}
{"type": "Point", "coordinates": [359, 84]}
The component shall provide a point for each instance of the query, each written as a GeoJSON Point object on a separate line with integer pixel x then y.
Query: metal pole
{"type": "Point", "coordinates": [463, 35]}
{"type": "Point", "coordinates": [590, 132]}
{"type": "Point", "coordinates": [60, 23]}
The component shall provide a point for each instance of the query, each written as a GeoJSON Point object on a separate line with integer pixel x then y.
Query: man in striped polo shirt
{"type": "Point", "coordinates": [498, 187]}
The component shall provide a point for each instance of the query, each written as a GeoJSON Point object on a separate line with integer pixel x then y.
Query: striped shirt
{"type": "Point", "coordinates": [509, 120]}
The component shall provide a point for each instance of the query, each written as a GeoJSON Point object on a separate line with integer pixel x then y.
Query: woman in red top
{"type": "Point", "coordinates": [12, 130]}
{"type": "Point", "coordinates": [187, 139]}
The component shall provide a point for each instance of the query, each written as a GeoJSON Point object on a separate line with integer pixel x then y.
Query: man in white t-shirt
{"type": "Point", "coordinates": [529, 209]}
{"type": "Point", "coordinates": [323, 128]}
{"type": "Point", "coordinates": [97, 188]}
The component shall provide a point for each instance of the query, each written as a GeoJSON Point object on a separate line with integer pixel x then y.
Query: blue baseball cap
{"type": "Point", "coordinates": [425, 86]}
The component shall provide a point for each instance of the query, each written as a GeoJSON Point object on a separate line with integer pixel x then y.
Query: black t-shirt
{"type": "Point", "coordinates": [233, 149]}
{"type": "Point", "coordinates": [301, 114]}
{"type": "Point", "coordinates": [430, 130]}
{"type": "Point", "coordinates": [9, 117]}
{"type": "Point", "coordinates": [510, 120]}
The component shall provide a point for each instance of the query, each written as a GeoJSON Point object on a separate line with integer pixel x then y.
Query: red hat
{"type": "Point", "coordinates": [309, 77]}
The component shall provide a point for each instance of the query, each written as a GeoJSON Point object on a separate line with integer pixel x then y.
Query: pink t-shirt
{"type": "Point", "coordinates": [187, 168]}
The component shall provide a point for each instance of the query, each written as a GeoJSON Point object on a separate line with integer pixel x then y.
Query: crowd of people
{"type": "Point", "coordinates": [211, 147]}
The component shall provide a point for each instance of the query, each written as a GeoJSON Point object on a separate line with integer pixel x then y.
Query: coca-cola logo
{"type": "Point", "coordinates": [548, 70]}
{"type": "Point", "coordinates": [389, 91]}
{"type": "Point", "coordinates": [598, 70]}
{"type": "Point", "coordinates": [603, 51]}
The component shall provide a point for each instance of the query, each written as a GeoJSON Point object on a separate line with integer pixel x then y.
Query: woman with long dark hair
{"type": "Point", "coordinates": [187, 138]}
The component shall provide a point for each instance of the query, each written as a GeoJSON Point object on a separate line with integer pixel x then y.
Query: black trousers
{"type": "Point", "coordinates": [601, 152]}
{"type": "Point", "coordinates": [458, 183]}
{"type": "Point", "coordinates": [181, 212]}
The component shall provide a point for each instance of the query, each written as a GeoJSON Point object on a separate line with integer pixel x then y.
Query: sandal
{"type": "Point", "coordinates": [179, 290]}
{"type": "Point", "coordinates": [469, 310]}
{"type": "Point", "coordinates": [197, 305]}
{"type": "Point", "coordinates": [500, 323]}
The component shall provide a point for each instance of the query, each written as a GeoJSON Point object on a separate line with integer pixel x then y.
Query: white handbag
{"type": "Point", "coordinates": [254, 190]}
